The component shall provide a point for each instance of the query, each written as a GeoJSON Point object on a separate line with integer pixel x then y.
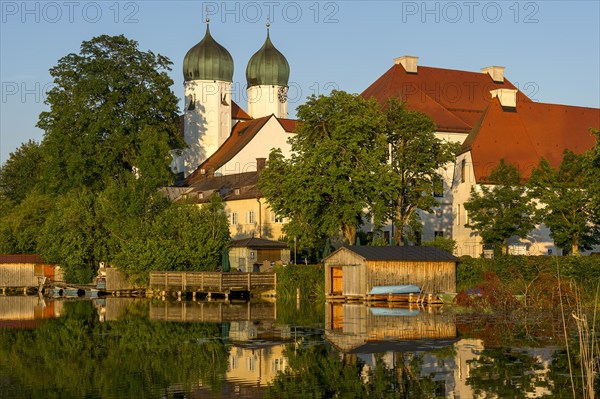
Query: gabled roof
{"type": "Point", "coordinates": [226, 186]}
{"type": "Point", "coordinates": [404, 253]}
{"type": "Point", "coordinates": [522, 135]}
{"type": "Point", "coordinates": [258, 243]}
{"type": "Point", "coordinates": [238, 113]}
{"type": "Point", "coordinates": [454, 99]}
{"type": "Point", "coordinates": [242, 133]}
{"type": "Point", "coordinates": [20, 258]}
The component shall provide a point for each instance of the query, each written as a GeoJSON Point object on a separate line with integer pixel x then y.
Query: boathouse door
{"type": "Point", "coordinates": [336, 280]}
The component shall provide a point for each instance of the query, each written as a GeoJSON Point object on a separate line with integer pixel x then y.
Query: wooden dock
{"type": "Point", "coordinates": [425, 299]}
{"type": "Point", "coordinates": [212, 282]}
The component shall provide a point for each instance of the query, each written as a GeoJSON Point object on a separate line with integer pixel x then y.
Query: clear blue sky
{"type": "Point", "coordinates": [551, 49]}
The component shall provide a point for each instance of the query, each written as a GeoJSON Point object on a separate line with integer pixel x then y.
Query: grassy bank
{"type": "Point", "coordinates": [310, 279]}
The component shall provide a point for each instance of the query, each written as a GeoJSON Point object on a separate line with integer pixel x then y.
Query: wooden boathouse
{"type": "Point", "coordinates": [25, 271]}
{"type": "Point", "coordinates": [351, 272]}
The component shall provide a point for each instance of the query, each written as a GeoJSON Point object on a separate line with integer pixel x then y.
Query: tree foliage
{"type": "Point", "coordinates": [332, 175]}
{"type": "Point", "coordinates": [566, 204]}
{"type": "Point", "coordinates": [20, 173]}
{"type": "Point", "coordinates": [416, 159]}
{"type": "Point", "coordinates": [179, 238]}
{"type": "Point", "coordinates": [111, 112]}
{"type": "Point", "coordinates": [501, 209]}
{"type": "Point", "coordinates": [112, 122]}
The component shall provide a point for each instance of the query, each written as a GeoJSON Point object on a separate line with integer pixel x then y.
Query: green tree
{"type": "Point", "coordinates": [74, 236]}
{"type": "Point", "coordinates": [417, 158]}
{"type": "Point", "coordinates": [333, 172]}
{"type": "Point", "coordinates": [20, 173]}
{"type": "Point", "coordinates": [180, 237]}
{"type": "Point", "coordinates": [500, 209]}
{"type": "Point", "coordinates": [112, 112]}
{"type": "Point", "coordinates": [566, 204]}
{"type": "Point", "coordinates": [20, 225]}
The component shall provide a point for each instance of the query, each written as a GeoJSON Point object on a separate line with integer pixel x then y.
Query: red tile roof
{"type": "Point", "coordinates": [20, 258]}
{"type": "Point", "coordinates": [455, 100]}
{"type": "Point", "coordinates": [242, 133]}
{"type": "Point", "coordinates": [237, 112]}
{"type": "Point", "coordinates": [522, 136]}
{"type": "Point", "coordinates": [226, 186]}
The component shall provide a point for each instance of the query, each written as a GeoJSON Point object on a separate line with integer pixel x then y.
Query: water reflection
{"type": "Point", "coordinates": [132, 348]}
{"type": "Point", "coordinates": [26, 311]}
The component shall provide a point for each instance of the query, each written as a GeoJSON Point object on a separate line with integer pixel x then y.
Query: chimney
{"type": "Point", "coordinates": [495, 72]}
{"type": "Point", "coordinates": [409, 62]}
{"type": "Point", "coordinates": [260, 164]}
{"type": "Point", "coordinates": [507, 97]}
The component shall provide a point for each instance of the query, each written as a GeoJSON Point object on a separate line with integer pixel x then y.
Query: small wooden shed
{"type": "Point", "coordinates": [257, 254]}
{"type": "Point", "coordinates": [17, 270]}
{"type": "Point", "coordinates": [353, 271]}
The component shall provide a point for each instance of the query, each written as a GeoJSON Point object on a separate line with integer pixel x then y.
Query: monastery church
{"type": "Point", "coordinates": [483, 111]}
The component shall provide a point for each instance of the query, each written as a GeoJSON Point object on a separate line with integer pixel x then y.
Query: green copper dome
{"type": "Point", "coordinates": [268, 67]}
{"type": "Point", "coordinates": [208, 60]}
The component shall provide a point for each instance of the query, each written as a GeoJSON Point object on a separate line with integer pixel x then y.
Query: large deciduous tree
{"type": "Point", "coordinates": [20, 173]}
{"type": "Point", "coordinates": [566, 201]}
{"type": "Point", "coordinates": [334, 171]}
{"type": "Point", "coordinates": [417, 158]}
{"type": "Point", "coordinates": [501, 209]}
{"type": "Point", "coordinates": [111, 112]}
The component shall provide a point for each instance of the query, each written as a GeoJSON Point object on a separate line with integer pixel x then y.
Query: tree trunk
{"type": "Point", "coordinates": [349, 232]}
{"type": "Point", "coordinates": [575, 246]}
{"type": "Point", "coordinates": [399, 235]}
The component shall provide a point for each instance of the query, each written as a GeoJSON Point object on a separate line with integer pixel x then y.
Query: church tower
{"type": "Point", "coordinates": [267, 75]}
{"type": "Point", "coordinates": [208, 75]}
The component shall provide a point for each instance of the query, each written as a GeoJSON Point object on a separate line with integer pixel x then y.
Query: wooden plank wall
{"type": "Point", "coordinates": [354, 278]}
{"type": "Point", "coordinates": [117, 281]}
{"type": "Point", "coordinates": [18, 275]}
{"type": "Point", "coordinates": [432, 277]}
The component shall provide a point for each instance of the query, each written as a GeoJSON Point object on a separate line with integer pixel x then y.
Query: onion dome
{"type": "Point", "coordinates": [208, 60]}
{"type": "Point", "coordinates": [268, 66]}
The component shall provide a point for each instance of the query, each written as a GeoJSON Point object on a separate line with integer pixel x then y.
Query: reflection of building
{"type": "Point", "coordinates": [27, 311]}
{"type": "Point", "coordinates": [256, 363]}
{"type": "Point", "coordinates": [356, 327]}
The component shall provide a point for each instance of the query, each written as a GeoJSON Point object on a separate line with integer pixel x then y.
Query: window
{"type": "Point", "coordinates": [200, 195]}
{"type": "Point", "coordinates": [275, 218]}
{"type": "Point", "coordinates": [250, 217]}
{"type": "Point", "coordinates": [463, 167]}
{"type": "Point", "coordinates": [438, 233]}
{"type": "Point", "coordinates": [234, 218]}
{"type": "Point", "coordinates": [458, 215]}
{"type": "Point", "coordinates": [236, 191]}
{"type": "Point", "coordinates": [438, 187]}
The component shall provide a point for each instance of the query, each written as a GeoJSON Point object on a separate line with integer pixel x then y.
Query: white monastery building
{"type": "Point", "coordinates": [482, 111]}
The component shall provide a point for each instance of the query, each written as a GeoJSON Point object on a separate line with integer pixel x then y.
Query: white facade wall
{"type": "Point", "coordinates": [538, 241]}
{"type": "Point", "coordinates": [208, 124]}
{"type": "Point", "coordinates": [267, 100]}
{"type": "Point", "coordinates": [271, 135]}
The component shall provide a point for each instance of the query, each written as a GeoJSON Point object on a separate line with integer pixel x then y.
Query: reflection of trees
{"type": "Point", "coordinates": [76, 356]}
{"type": "Point", "coordinates": [505, 373]}
{"type": "Point", "coordinates": [316, 372]}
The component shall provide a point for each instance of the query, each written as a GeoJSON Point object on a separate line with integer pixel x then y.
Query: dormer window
{"type": "Point", "coordinates": [200, 195]}
{"type": "Point", "coordinates": [236, 191]}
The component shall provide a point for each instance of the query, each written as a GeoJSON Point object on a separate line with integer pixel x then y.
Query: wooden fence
{"type": "Point", "coordinates": [212, 281]}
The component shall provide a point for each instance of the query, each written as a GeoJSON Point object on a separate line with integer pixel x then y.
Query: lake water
{"type": "Point", "coordinates": [137, 348]}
